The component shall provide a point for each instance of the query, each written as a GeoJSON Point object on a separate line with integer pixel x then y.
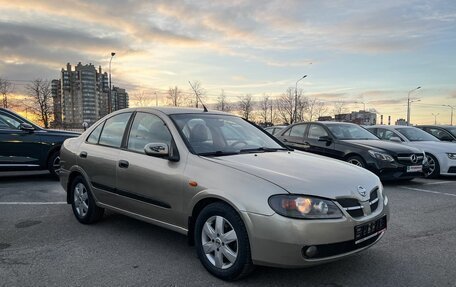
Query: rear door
{"type": "Point", "coordinates": [99, 154]}
{"type": "Point", "coordinates": [294, 137]}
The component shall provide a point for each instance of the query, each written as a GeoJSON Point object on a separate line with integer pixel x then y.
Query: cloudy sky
{"type": "Point", "coordinates": [365, 51]}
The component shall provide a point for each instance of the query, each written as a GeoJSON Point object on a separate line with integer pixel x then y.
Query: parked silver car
{"type": "Point", "coordinates": [440, 155]}
{"type": "Point", "coordinates": [239, 194]}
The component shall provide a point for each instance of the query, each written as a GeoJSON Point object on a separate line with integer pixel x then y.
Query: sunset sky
{"type": "Point", "coordinates": [365, 51]}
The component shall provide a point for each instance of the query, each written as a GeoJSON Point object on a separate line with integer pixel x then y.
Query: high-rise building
{"type": "Point", "coordinates": [83, 95]}
{"type": "Point", "coordinates": [360, 118]}
{"type": "Point", "coordinates": [119, 98]}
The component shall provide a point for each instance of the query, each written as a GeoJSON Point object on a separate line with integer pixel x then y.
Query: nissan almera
{"type": "Point", "coordinates": [241, 196]}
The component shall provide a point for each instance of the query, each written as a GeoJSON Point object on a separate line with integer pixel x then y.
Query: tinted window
{"type": "Point", "coordinates": [452, 130]}
{"type": "Point", "coordinates": [440, 134]}
{"type": "Point", "coordinates": [415, 134]}
{"type": "Point", "coordinates": [113, 130]}
{"type": "Point", "coordinates": [147, 128]}
{"type": "Point", "coordinates": [95, 134]}
{"type": "Point", "coordinates": [385, 134]}
{"type": "Point", "coordinates": [7, 122]}
{"type": "Point", "coordinates": [350, 132]}
{"type": "Point", "coordinates": [298, 131]}
{"type": "Point", "coordinates": [317, 131]}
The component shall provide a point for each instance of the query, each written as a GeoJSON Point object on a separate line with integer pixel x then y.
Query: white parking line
{"type": "Point", "coordinates": [31, 203]}
{"type": "Point", "coordinates": [438, 182]}
{"type": "Point", "coordinates": [428, 191]}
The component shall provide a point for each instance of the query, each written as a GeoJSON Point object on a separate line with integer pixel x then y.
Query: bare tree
{"type": "Point", "coordinates": [265, 105]}
{"type": "Point", "coordinates": [142, 99]}
{"type": "Point", "coordinates": [286, 106]}
{"type": "Point", "coordinates": [315, 108]}
{"type": "Point", "coordinates": [40, 103]}
{"type": "Point", "coordinates": [175, 97]}
{"type": "Point", "coordinates": [6, 87]}
{"type": "Point", "coordinates": [246, 106]}
{"type": "Point", "coordinates": [222, 104]}
{"type": "Point", "coordinates": [339, 108]}
{"type": "Point", "coordinates": [198, 90]}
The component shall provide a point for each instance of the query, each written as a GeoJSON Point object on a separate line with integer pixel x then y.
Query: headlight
{"type": "Point", "coordinates": [304, 207]}
{"type": "Point", "coordinates": [381, 156]}
{"type": "Point", "coordinates": [451, 155]}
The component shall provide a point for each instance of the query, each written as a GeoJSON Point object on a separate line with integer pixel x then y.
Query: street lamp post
{"type": "Point", "coordinates": [451, 107]}
{"type": "Point", "coordinates": [435, 118]}
{"type": "Point", "coordinates": [110, 88]}
{"type": "Point", "coordinates": [408, 104]}
{"type": "Point", "coordinates": [295, 114]}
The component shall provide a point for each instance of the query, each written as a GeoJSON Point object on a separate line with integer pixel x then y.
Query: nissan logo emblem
{"type": "Point", "coordinates": [413, 158]}
{"type": "Point", "coordinates": [362, 190]}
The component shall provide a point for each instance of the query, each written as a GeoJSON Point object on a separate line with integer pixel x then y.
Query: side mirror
{"type": "Point", "coordinates": [325, 139]}
{"type": "Point", "coordinates": [395, 139]}
{"type": "Point", "coordinates": [157, 149]}
{"type": "Point", "coordinates": [26, 127]}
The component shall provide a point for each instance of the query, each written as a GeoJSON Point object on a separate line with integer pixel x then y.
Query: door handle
{"type": "Point", "coordinates": [83, 154]}
{"type": "Point", "coordinates": [123, 164]}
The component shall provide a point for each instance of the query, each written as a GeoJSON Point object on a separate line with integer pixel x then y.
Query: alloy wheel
{"type": "Point", "coordinates": [431, 164]}
{"type": "Point", "coordinates": [81, 199]}
{"type": "Point", "coordinates": [220, 242]}
{"type": "Point", "coordinates": [355, 162]}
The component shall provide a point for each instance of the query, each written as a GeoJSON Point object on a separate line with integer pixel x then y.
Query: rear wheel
{"type": "Point", "coordinates": [82, 202]}
{"type": "Point", "coordinates": [433, 170]}
{"type": "Point", "coordinates": [356, 160]}
{"type": "Point", "coordinates": [222, 243]}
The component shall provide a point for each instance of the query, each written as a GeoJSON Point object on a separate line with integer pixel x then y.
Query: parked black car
{"type": "Point", "coordinates": [26, 146]}
{"type": "Point", "coordinates": [443, 133]}
{"type": "Point", "coordinates": [354, 144]}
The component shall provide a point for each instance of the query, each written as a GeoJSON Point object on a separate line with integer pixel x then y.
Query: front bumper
{"type": "Point", "coordinates": [394, 170]}
{"type": "Point", "coordinates": [279, 241]}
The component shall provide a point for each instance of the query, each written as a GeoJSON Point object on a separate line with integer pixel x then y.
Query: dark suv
{"type": "Point", "coordinates": [26, 146]}
{"type": "Point", "coordinates": [356, 145]}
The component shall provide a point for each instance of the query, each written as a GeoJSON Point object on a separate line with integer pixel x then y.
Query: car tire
{"type": "Point", "coordinates": [222, 242]}
{"type": "Point", "coordinates": [433, 167]}
{"type": "Point", "coordinates": [84, 207]}
{"type": "Point", "coordinates": [356, 160]}
{"type": "Point", "coordinates": [53, 164]}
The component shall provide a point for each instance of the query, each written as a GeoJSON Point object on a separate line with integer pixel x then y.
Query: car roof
{"type": "Point", "coordinates": [390, 126]}
{"type": "Point", "coordinates": [175, 110]}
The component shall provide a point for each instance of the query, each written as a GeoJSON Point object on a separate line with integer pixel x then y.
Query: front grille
{"type": "Point", "coordinates": [452, 169]}
{"type": "Point", "coordinates": [406, 158]}
{"type": "Point", "coordinates": [353, 207]}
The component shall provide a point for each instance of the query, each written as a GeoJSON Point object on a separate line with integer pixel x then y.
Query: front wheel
{"type": "Point", "coordinates": [54, 164]}
{"type": "Point", "coordinates": [222, 243]}
{"type": "Point", "coordinates": [82, 202]}
{"type": "Point", "coordinates": [356, 160]}
{"type": "Point", "coordinates": [433, 170]}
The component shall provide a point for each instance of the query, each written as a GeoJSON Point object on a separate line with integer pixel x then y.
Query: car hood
{"type": "Point", "coordinates": [434, 147]}
{"type": "Point", "coordinates": [380, 145]}
{"type": "Point", "coordinates": [303, 173]}
{"type": "Point", "coordinates": [67, 134]}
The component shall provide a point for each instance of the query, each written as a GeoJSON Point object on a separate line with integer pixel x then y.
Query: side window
{"type": "Point", "coordinates": [317, 131]}
{"type": "Point", "coordinates": [147, 128]}
{"type": "Point", "coordinates": [113, 130]}
{"type": "Point", "coordinates": [7, 122]}
{"type": "Point", "coordinates": [385, 134]}
{"type": "Point", "coordinates": [95, 134]}
{"type": "Point", "coordinates": [298, 131]}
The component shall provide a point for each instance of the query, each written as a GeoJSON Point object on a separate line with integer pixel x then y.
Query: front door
{"type": "Point", "coordinates": [150, 186]}
{"type": "Point", "coordinates": [19, 148]}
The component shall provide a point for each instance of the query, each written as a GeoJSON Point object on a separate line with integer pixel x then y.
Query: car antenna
{"type": "Point", "coordinates": [198, 97]}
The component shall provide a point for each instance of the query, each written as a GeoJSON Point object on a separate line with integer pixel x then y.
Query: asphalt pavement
{"type": "Point", "coordinates": [42, 244]}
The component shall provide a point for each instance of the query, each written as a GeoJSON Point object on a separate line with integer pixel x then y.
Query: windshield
{"type": "Point", "coordinates": [350, 132]}
{"type": "Point", "coordinates": [416, 135]}
{"type": "Point", "coordinates": [218, 135]}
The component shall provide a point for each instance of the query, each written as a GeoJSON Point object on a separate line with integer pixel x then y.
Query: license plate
{"type": "Point", "coordinates": [370, 229]}
{"type": "Point", "coordinates": [415, 168]}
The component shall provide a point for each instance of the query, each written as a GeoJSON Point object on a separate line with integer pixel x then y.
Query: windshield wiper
{"type": "Point", "coordinates": [218, 153]}
{"type": "Point", "coordinates": [260, 149]}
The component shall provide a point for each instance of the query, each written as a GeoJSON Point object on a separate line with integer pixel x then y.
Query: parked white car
{"type": "Point", "coordinates": [441, 156]}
